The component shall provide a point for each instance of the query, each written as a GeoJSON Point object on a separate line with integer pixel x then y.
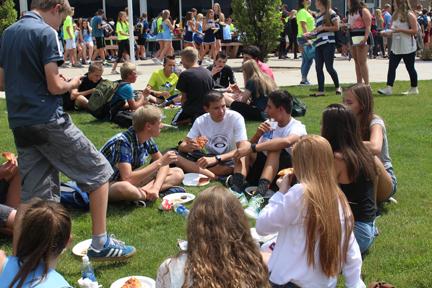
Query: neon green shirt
{"type": "Point", "coordinates": [304, 16]}
{"type": "Point", "coordinates": [123, 27]}
{"type": "Point", "coordinates": [159, 25]}
{"type": "Point", "coordinates": [159, 82]}
{"type": "Point", "coordinates": [68, 23]}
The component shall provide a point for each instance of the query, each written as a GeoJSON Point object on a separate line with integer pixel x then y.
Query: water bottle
{"type": "Point", "coordinates": [269, 134]}
{"type": "Point", "coordinates": [181, 210]}
{"type": "Point", "coordinates": [87, 269]}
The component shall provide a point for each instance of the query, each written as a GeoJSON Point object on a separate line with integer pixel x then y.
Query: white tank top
{"type": "Point", "coordinates": [402, 43]}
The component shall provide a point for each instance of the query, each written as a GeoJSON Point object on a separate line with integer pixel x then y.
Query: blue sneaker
{"type": "Point", "coordinates": [114, 250]}
{"type": "Point", "coordinates": [256, 203]}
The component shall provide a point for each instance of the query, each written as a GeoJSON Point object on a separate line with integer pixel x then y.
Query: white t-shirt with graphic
{"type": "Point", "coordinates": [294, 127]}
{"type": "Point", "coordinates": [222, 136]}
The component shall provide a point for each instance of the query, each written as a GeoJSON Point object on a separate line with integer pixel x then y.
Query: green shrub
{"type": "Point", "coordinates": [259, 23]}
{"type": "Point", "coordinates": [8, 14]}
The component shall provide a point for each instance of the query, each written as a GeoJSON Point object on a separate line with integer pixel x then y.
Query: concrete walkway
{"type": "Point", "coordinates": [287, 72]}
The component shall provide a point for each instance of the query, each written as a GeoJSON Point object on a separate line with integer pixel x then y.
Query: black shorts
{"type": "Point", "coordinates": [249, 112]}
{"type": "Point", "coordinates": [141, 41]}
{"type": "Point", "coordinates": [123, 46]}
{"type": "Point", "coordinates": [197, 154]}
{"type": "Point", "coordinates": [257, 167]}
{"type": "Point", "coordinates": [100, 42]}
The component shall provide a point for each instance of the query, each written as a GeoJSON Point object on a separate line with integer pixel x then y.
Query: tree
{"type": "Point", "coordinates": [259, 22]}
{"type": "Point", "coordinates": [8, 14]}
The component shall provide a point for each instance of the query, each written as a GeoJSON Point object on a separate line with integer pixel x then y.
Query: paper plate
{"type": "Point", "coordinates": [179, 198]}
{"type": "Point", "coordinates": [146, 282]}
{"type": "Point", "coordinates": [192, 179]}
{"type": "Point", "coordinates": [260, 238]}
{"type": "Point", "coordinates": [81, 248]}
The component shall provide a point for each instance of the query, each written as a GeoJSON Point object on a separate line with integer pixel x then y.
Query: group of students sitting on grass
{"type": "Point", "coordinates": [339, 179]}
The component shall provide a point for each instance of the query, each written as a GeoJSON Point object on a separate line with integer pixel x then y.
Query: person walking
{"type": "Point", "coordinates": [305, 23]}
{"type": "Point", "coordinates": [404, 46]}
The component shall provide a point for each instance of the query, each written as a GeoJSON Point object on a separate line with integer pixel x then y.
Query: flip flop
{"type": "Point", "coordinates": [172, 190]}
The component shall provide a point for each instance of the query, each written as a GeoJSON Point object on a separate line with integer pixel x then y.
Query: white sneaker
{"type": "Point", "coordinates": [412, 91]}
{"type": "Point", "coordinates": [386, 91]}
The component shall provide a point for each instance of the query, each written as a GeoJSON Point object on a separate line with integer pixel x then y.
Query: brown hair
{"type": "Point", "coordinates": [45, 232]}
{"type": "Point", "coordinates": [143, 115]}
{"type": "Point", "coordinates": [314, 165]}
{"type": "Point", "coordinates": [221, 252]}
{"type": "Point", "coordinates": [403, 8]}
{"type": "Point", "coordinates": [356, 6]}
{"type": "Point", "coordinates": [363, 94]}
{"type": "Point", "coordinates": [45, 5]}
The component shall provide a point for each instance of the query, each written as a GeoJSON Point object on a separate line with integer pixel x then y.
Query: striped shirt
{"type": "Point", "coordinates": [325, 37]}
{"type": "Point", "coordinates": [125, 148]}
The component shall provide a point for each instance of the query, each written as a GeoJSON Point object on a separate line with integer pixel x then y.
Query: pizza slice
{"type": "Point", "coordinates": [9, 156]}
{"type": "Point", "coordinates": [286, 171]}
{"type": "Point", "coordinates": [132, 283]}
{"type": "Point", "coordinates": [201, 141]}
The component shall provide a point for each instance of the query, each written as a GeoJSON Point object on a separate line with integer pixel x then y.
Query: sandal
{"type": "Point", "coordinates": [380, 284]}
{"type": "Point", "coordinates": [319, 94]}
{"type": "Point", "coordinates": [339, 91]}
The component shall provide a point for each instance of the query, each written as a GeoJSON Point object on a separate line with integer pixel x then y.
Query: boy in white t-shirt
{"type": "Point", "coordinates": [269, 151]}
{"type": "Point", "coordinates": [225, 131]}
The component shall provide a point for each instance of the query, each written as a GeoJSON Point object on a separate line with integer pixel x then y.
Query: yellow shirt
{"type": "Point", "coordinates": [122, 27]}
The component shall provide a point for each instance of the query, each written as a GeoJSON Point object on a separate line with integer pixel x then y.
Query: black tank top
{"type": "Point", "coordinates": [361, 198]}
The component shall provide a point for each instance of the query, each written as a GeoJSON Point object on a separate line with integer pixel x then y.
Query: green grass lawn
{"type": "Point", "coordinates": [401, 255]}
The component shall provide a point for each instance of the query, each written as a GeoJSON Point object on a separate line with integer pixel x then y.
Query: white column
{"type": "Point", "coordinates": [143, 6]}
{"type": "Point", "coordinates": [180, 11]}
{"type": "Point", "coordinates": [212, 3]}
{"type": "Point", "coordinates": [131, 35]}
{"type": "Point", "coordinates": [23, 6]}
{"type": "Point", "coordinates": [104, 7]}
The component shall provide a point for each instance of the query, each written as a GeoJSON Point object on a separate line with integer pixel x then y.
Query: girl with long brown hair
{"type": "Point", "coordinates": [43, 231]}
{"type": "Point", "coordinates": [356, 170]}
{"type": "Point", "coordinates": [209, 40]}
{"type": "Point", "coordinates": [359, 20]}
{"type": "Point", "coordinates": [359, 100]}
{"type": "Point", "coordinates": [315, 241]}
{"type": "Point", "coordinates": [251, 102]}
{"type": "Point", "coordinates": [404, 46]}
{"type": "Point", "coordinates": [221, 252]}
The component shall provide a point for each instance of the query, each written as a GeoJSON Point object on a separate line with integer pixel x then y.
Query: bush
{"type": "Point", "coordinates": [8, 14]}
{"type": "Point", "coordinates": [259, 23]}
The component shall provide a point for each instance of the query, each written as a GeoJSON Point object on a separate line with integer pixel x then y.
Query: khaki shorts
{"type": "Point", "coordinates": [57, 146]}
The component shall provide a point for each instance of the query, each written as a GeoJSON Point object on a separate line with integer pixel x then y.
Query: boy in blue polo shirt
{"type": "Point", "coordinates": [46, 139]}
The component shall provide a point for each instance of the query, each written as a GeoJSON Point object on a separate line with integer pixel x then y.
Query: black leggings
{"type": "Point", "coordinates": [325, 54]}
{"type": "Point", "coordinates": [123, 46]}
{"type": "Point", "coordinates": [409, 60]}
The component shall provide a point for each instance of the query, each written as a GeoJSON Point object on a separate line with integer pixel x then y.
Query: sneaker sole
{"type": "Point", "coordinates": [113, 259]}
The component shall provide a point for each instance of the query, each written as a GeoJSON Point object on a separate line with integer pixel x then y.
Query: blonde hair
{"type": "Point", "coordinates": [313, 162]}
{"type": "Point", "coordinates": [221, 252]}
{"type": "Point", "coordinates": [403, 8]}
{"type": "Point", "coordinates": [120, 15]}
{"type": "Point", "coordinates": [190, 54]}
{"type": "Point", "coordinates": [165, 14]}
{"type": "Point", "coordinates": [145, 114]}
{"type": "Point", "coordinates": [199, 17]}
{"type": "Point", "coordinates": [264, 85]}
{"type": "Point", "coordinates": [126, 69]}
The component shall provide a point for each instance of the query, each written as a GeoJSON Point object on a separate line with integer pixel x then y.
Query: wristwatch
{"type": "Point", "coordinates": [218, 158]}
{"type": "Point", "coordinates": [253, 148]}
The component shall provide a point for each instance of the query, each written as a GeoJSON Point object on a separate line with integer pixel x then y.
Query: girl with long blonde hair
{"type": "Point", "coordinates": [251, 102]}
{"type": "Point", "coordinates": [315, 224]}
{"type": "Point", "coordinates": [209, 40]}
{"type": "Point", "coordinates": [122, 31]}
{"type": "Point", "coordinates": [166, 27]}
{"type": "Point", "coordinates": [221, 252]}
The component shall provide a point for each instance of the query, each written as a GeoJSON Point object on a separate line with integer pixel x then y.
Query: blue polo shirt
{"type": "Point", "coordinates": [26, 47]}
{"type": "Point", "coordinates": [97, 20]}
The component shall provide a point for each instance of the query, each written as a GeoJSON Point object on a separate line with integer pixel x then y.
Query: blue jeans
{"type": "Point", "coordinates": [364, 233]}
{"type": "Point", "coordinates": [390, 171]}
{"type": "Point", "coordinates": [306, 62]}
{"type": "Point", "coordinates": [324, 54]}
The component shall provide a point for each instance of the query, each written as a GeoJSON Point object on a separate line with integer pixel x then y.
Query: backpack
{"type": "Point", "coordinates": [422, 20]}
{"type": "Point", "coordinates": [99, 101]}
{"type": "Point", "coordinates": [298, 108]}
{"type": "Point", "coordinates": [71, 196]}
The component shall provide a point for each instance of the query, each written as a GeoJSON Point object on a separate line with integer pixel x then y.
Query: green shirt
{"type": "Point", "coordinates": [123, 27]}
{"type": "Point", "coordinates": [68, 23]}
{"type": "Point", "coordinates": [304, 16]}
{"type": "Point", "coordinates": [159, 82]}
{"type": "Point", "coordinates": [159, 25]}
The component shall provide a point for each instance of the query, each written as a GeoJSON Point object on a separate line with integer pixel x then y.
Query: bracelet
{"type": "Point", "coordinates": [253, 147]}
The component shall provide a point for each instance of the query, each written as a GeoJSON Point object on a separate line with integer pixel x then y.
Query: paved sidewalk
{"type": "Point", "coordinates": [287, 72]}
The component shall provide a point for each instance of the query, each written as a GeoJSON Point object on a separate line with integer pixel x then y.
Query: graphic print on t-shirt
{"type": "Point", "coordinates": [218, 144]}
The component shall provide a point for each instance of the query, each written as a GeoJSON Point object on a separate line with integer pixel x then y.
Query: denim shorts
{"type": "Point", "coordinates": [390, 171]}
{"type": "Point", "coordinates": [45, 150]}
